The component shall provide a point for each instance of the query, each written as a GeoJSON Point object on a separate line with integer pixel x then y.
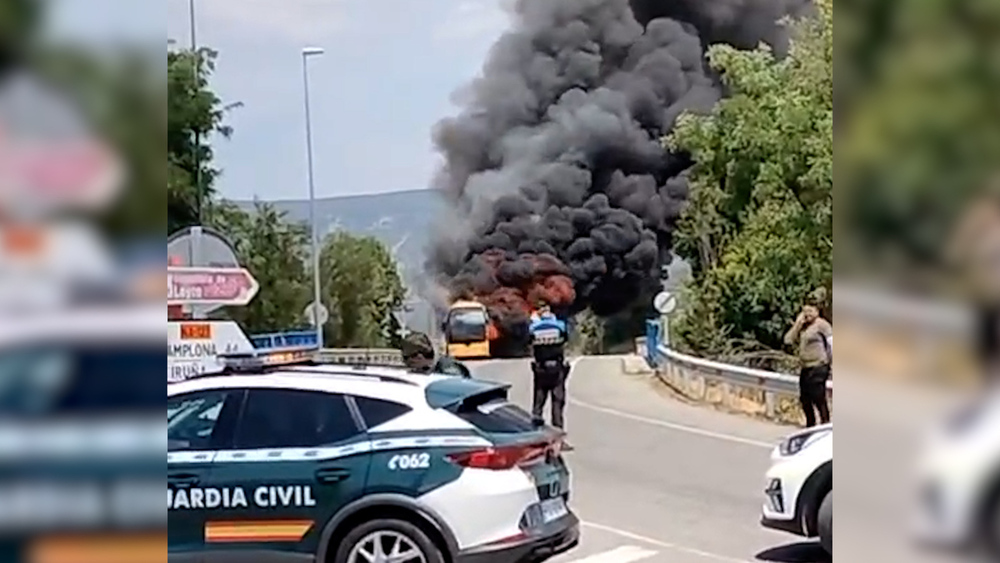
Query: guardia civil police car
{"type": "Point", "coordinates": [287, 461]}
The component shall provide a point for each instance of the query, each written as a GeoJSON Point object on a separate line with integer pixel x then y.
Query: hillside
{"type": "Point", "coordinates": [402, 220]}
{"type": "Point", "coordinates": [399, 219]}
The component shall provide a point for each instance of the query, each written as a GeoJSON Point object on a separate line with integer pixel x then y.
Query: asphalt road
{"type": "Point", "coordinates": [656, 480]}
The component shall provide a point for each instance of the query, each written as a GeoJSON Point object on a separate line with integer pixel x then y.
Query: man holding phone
{"type": "Point", "coordinates": [812, 335]}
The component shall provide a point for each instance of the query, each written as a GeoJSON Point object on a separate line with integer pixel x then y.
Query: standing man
{"type": "Point", "coordinates": [549, 368]}
{"type": "Point", "coordinates": [812, 335]}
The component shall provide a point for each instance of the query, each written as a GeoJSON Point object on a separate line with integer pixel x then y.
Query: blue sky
{"type": "Point", "coordinates": [387, 76]}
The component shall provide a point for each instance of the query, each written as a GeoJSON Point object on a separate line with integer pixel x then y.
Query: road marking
{"type": "Point", "coordinates": [662, 423]}
{"type": "Point", "coordinates": [659, 543]}
{"type": "Point", "coordinates": [673, 426]}
{"type": "Point", "coordinates": [623, 554]}
{"type": "Point", "coordinates": [655, 421]}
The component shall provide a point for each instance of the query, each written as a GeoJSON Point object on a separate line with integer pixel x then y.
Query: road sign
{"type": "Point", "coordinates": [200, 247]}
{"type": "Point", "coordinates": [193, 347]}
{"type": "Point", "coordinates": [665, 302]}
{"type": "Point", "coordinates": [210, 286]}
{"type": "Point", "coordinates": [324, 314]}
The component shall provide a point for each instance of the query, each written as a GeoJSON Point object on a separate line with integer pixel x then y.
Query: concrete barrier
{"type": "Point", "coordinates": [706, 387]}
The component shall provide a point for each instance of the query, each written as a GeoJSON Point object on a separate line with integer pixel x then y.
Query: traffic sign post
{"type": "Point", "coordinates": [210, 286]}
{"type": "Point", "coordinates": [200, 247]}
{"type": "Point", "coordinates": [203, 274]}
{"type": "Point", "coordinates": [193, 347]}
{"type": "Point", "coordinates": [665, 303]}
{"type": "Point", "coordinates": [311, 314]}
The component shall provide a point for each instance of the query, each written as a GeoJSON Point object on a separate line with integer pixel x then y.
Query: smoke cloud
{"type": "Point", "coordinates": [554, 166]}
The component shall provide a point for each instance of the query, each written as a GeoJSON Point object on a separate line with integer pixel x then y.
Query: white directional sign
{"type": "Point", "coordinates": [193, 347]}
{"type": "Point", "coordinates": [665, 302]}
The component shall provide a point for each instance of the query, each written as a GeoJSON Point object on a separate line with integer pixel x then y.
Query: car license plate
{"type": "Point", "coordinates": [554, 509]}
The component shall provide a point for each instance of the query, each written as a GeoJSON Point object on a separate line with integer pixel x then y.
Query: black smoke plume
{"type": "Point", "coordinates": [554, 167]}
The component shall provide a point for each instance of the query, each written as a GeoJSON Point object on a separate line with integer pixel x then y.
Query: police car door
{"type": "Point", "coordinates": [198, 424]}
{"type": "Point", "coordinates": [297, 458]}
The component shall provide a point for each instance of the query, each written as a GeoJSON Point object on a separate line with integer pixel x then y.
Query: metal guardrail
{"type": "Point", "coordinates": [767, 381]}
{"type": "Point", "coordinates": [375, 356]}
{"type": "Point", "coordinates": [283, 339]}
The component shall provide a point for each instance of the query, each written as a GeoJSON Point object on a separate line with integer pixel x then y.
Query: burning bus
{"type": "Point", "coordinates": [468, 330]}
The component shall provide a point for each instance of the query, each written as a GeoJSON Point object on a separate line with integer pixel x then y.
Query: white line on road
{"type": "Point", "coordinates": [663, 423]}
{"type": "Point", "coordinates": [623, 554]}
{"type": "Point", "coordinates": [655, 421]}
{"type": "Point", "coordinates": [671, 425]}
{"type": "Point", "coordinates": [658, 543]}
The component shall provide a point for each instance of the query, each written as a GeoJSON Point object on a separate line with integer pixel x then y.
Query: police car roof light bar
{"type": "Point", "coordinates": [355, 371]}
{"type": "Point", "coordinates": [258, 360]}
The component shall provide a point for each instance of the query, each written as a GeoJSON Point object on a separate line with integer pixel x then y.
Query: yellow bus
{"type": "Point", "coordinates": [468, 330]}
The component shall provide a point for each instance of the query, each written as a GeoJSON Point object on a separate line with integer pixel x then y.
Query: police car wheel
{"type": "Point", "coordinates": [388, 541]}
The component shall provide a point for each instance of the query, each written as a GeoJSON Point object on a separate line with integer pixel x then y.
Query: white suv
{"type": "Point", "coordinates": [800, 486]}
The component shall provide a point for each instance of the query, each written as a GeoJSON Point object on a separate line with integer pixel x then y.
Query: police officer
{"type": "Point", "coordinates": [548, 343]}
{"type": "Point", "coordinates": [418, 356]}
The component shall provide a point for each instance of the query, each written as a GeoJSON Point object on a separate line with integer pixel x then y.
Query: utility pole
{"type": "Point", "coordinates": [317, 300]}
{"type": "Point", "coordinates": [198, 194]}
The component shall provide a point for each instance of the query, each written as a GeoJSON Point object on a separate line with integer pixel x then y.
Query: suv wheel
{"type": "Point", "coordinates": [387, 541]}
{"type": "Point", "coordinates": [824, 522]}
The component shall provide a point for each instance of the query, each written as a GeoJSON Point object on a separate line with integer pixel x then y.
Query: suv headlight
{"type": "Point", "coordinates": [798, 442]}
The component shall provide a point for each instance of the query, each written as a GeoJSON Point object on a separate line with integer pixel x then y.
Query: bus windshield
{"type": "Point", "coordinates": [467, 325]}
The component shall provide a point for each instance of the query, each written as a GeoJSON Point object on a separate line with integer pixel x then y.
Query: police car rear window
{"type": "Point", "coordinates": [96, 378]}
{"type": "Point", "coordinates": [377, 412]}
{"type": "Point", "coordinates": [498, 417]}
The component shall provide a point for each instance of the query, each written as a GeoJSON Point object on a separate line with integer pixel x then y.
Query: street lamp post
{"type": "Point", "coordinates": [197, 134]}
{"type": "Point", "coordinates": [306, 53]}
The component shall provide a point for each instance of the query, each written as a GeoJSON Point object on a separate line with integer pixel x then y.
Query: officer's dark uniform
{"type": "Point", "coordinates": [548, 343]}
{"type": "Point", "coordinates": [418, 355]}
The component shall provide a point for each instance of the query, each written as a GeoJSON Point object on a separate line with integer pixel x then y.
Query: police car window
{"type": "Point", "coordinates": [498, 417]}
{"type": "Point", "coordinates": [82, 379]}
{"type": "Point", "coordinates": [376, 412]}
{"type": "Point", "coordinates": [192, 420]}
{"type": "Point", "coordinates": [289, 418]}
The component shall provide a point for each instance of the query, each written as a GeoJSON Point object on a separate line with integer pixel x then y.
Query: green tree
{"type": "Point", "coordinates": [194, 114]}
{"type": "Point", "coordinates": [758, 229]}
{"type": "Point", "coordinates": [361, 288]}
{"type": "Point", "coordinates": [274, 250]}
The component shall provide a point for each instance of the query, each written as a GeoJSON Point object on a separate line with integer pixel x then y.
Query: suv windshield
{"type": "Point", "coordinates": [467, 325]}
{"type": "Point", "coordinates": [93, 378]}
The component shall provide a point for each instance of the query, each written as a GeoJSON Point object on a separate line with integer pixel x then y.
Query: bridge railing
{"type": "Point", "coordinates": [766, 393]}
{"type": "Point", "coordinates": [375, 356]}
{"type": "Point", "coordinates": [283, 339]}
